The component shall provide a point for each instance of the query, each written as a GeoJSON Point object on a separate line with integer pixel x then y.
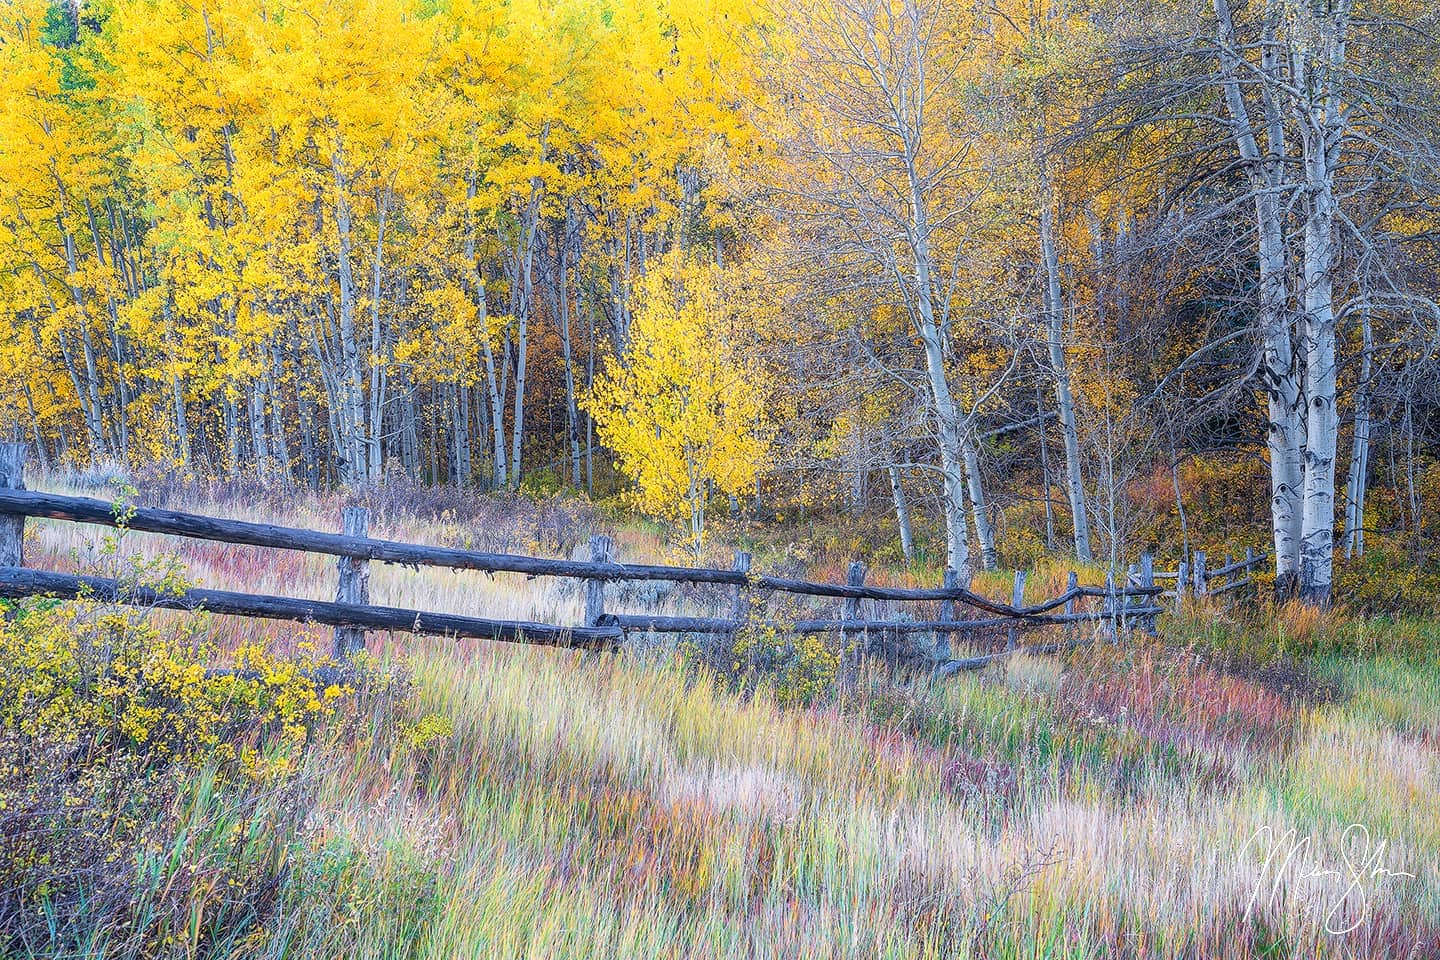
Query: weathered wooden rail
{"type": "Point", "coordinates": [1192, 577]}
{"type": "Point", "coordinates": [352, 614]}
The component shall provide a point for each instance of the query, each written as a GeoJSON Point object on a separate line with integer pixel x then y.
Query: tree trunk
{"type": "Point", "coordinates": [980, 509]}
{"type": "Point", "coordinates": [526, 260]}
{"type": "Point", "coordinates": [279, 443]}
{"type": "Point", "coordinates": [409, 432]}
{"type": "Point", "coordinates": [945, 411]}
{"type": "Point", "coordinates": [351, 393]}
{"type": "Point", "coordinates": [460, 422]}
{"type": "Point", "coordinates": [40, 451]}
{"type": "Point", "coordinates": [902, 514]}
{"type": "Point", "coordinates": [117, 349]}
{"type": "Point", "coordinates": [232, 435]}
{"type": "Point", "coordinates": [258, 446]}
{"type": "Point", "coordinates": [1045, 469]}
{"type": "Point", "coordinates": [1316, 72]}
{"type": "Point", "coordinates": [1360, 448]}
{"type": "Point", "coordinates": [497, 407]}
{"type": "Point", "coordinates": [572, 417]}
{"type": "Point", "coordinates": [1268, 181]}
{"type": "Point", "coordinates": [1064, 399]}
{"type": "Point", "coordinates": [377, 371]}
{"type": "Point", "coordinates": [90, 399]}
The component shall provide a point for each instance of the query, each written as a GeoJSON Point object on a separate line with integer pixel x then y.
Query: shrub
{"type": "Point", "coordinates": [541, 484]}
{"type": "Point", "coordinates": [796, 669]}
{"type": "Point", "coordinates": [101, 475]}
{"type": "Point", "coordinates": [1387, 580]}
{"type": "Point", "coordinates": [143, 800]}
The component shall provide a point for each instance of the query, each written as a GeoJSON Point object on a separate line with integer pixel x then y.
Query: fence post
{"type": "Point", "coordinates": [1110, 614]}
{"type": "Point", "coordinates": [1182, 582]}
{"type": "Point", "coordinates": [951, 581]}
{"type": "Point", "coordinates": [600, 549]}
{"type": "Point", "coordinates": [1132, 579]}
{"type": "Point", "coordinates": [12, 528]}
{"type": "Point", "coordinates": [1017, 600]}
{"type": "Point", "coordinates": [354, 582]}
{"type": "Point", "coordinates": [1250, 565]}
{"type": "Point", "coordinates": [1202, 584]}
{"type": "Point", "coordinates": [1147, 579]}
{"type": "Point", "coordinates": [850, 609]}
{"type": "Point", "coordinates": [1072, 582]}
{"type": "Point", "coordinates": [740, 603]}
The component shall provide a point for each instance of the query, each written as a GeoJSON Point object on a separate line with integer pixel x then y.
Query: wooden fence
{"type": "Point", "coordinates": [352, 614]}
{"type": "Point", "coordinates": [1193, 578]}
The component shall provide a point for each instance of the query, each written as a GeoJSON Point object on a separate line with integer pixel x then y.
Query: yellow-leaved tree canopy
{"type": "Point", "coordinates": [684, 408]}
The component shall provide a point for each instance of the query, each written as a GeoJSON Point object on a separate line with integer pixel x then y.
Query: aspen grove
{"type": "Point", "coordinates": [997, 270]}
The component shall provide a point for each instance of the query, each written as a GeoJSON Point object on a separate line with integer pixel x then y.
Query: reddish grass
{"type": "Point", "coordinates": [1177, 698]}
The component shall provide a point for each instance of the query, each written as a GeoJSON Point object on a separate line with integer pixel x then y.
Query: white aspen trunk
{"type": "Point", "coordinates": [1284, 398]}
{"type": "Point", "coordinates": [695, 495]}
{"type": "Point", "coordinates": [177, 405]}
{"type": "Point", "coordinates": [902, 514]}
{"type": "Point", "coordinates": [117, 349]}
{"type": "Point", "coordinates": [232, 435]}
{"type": "Point", "coordinates": [258, 445]}
{"type": "Point", "coordinates": [979, 508]}
{"type": "Point", "coordinates": [497, 408]}
{"type": "Point", "coordinates": [479, 418]}
{"type": "Point", "coordinates": [90, 400]}
{"type": "Point", "coordinates": [590, 388]}
{"type": "Point", "coordinates": [92, 427]}
{"type": "Point", "coordinates": [618, 274]}
{"type": "Point", "coordinates": [1316, 73]}
{"type": "Point", "coordinates": [410, 434]}
{"type": "Point", "coordinates": [352, 404]}
{"type": "Point", "coordinates": [945, 410]}
{"type": "Point", "coordinates": [1359, 448]}
{"type": "Point", "coordinates": [41, 452]}
{"type": "Point", "coordinates": [182, 424]}
{"type": "Point", "coordinates": [1322, 423]}
{"type": "Point", "coordinates": [482, 319]}
{"type": "Point", "coordinates": [1280, 379]}
{"type": "Point", "coordinates": [572, 416]}
{"type": "Point", "coordinates": [279, 444]}
{"type": "Point", "coordinates": [460, 424]}
{"type": "Point", "coordinates": [305, 416]}
{"type": "Point", "coordinates": [949, 422]}
{"type": "Point", "coordinates": [1064, 398]}
{"type": "Point", "coordinates": [377, 372]}
{"type": "Point", "coordinates": [1045, 469]}
{"type": "Point", "coordinates": [526, 257]}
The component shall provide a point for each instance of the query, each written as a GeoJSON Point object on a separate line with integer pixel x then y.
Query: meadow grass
{"type": "Point", "coordinates": [1126, 801]}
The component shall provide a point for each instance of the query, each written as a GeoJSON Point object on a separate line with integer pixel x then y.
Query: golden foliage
{"type": "Point", "coordinates": [685, 407]}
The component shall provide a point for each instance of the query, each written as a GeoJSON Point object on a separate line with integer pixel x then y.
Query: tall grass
{"type": "Point", "coordinates": [516, 802]}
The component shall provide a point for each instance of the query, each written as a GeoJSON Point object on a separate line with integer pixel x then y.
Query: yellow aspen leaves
{"type": "Point", "coordinates": [684, 407]}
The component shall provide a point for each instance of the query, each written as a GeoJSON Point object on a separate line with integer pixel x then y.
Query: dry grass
{"type": "Point", "coordinates": [1120, 804]}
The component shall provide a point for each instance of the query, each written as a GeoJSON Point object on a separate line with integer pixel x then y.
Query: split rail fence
{"type": "Point", "coordinates": [1113, 608]}
{"type": "Point", "coordinates": [1194, 579]}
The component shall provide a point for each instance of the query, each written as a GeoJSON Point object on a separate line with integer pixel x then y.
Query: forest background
{"type": "Point", "coordinates": [999, 279]}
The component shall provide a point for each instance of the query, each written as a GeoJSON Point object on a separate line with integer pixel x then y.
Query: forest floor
{"type": "Point", "coordinates": [1154, 798]}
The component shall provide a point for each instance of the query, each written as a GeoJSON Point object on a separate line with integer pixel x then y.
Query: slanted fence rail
{"type": "Point", "coordinates": [351, 614]}
{"type": "Point", "coordinates": [1193, 578]}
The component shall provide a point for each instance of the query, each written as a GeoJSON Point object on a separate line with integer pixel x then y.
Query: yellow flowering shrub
{"type": "Point", "coordinates": [800, 670]}
{"type": "Point", "coordinates": [138, 784]}
{"type": "Point", "coordinates": [114, 683]}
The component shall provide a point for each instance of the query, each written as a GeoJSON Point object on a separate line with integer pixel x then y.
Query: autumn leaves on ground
{"type": "Point", "coordinates": [491, 800]}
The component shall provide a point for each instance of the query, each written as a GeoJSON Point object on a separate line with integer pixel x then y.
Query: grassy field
{"type": "Point", "coordinates": [1151, 799]}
